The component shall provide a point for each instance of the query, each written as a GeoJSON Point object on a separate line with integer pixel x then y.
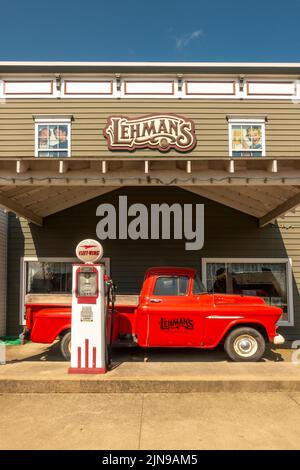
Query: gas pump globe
{"type": "Point", "coordinates": [89, 311]}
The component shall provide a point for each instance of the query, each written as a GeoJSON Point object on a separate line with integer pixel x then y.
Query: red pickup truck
{"type": "Point", "coordinates": [174, 310]}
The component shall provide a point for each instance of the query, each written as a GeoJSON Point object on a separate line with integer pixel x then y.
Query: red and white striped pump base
{"type": "Point", "coordinates": [84, 367]}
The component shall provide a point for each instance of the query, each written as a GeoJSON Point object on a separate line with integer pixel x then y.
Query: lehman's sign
{"type": "Point", "coordinates": [162, 132]}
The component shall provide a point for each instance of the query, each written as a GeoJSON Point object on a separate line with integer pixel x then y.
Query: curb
{"type": "Point", "coordinates": [146, 386]}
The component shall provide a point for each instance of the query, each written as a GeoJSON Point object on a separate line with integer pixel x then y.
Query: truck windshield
{"type": "Point", "coordinates": [198, 287]}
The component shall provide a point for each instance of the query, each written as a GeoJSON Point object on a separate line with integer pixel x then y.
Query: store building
{"type": "Point", "coordinates": [223, 137]}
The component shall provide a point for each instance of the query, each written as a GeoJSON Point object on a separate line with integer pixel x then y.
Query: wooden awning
{"type": "Point", "coordinates": [264, 188]}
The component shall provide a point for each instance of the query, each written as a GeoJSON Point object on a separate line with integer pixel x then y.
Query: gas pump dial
{"type": "Point", "coordinates": [87, 284]}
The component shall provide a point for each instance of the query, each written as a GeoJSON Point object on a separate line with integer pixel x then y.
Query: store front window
{"type": "Point", "coordinates": [268, 280]}
{"type": "Point", "coordinates": [47, 277]}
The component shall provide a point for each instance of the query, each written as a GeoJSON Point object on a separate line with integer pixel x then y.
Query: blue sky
{"type": "Point", "coordinates": [150, 30]}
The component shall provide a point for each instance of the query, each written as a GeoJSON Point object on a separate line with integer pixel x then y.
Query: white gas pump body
{"type": "Point", "coordinates": [88, 325]}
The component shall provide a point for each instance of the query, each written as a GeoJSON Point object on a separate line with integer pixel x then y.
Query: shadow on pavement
{"type": "Point", "coordinates": [32, 352]}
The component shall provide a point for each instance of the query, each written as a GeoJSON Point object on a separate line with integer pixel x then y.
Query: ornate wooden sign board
{"type": "Point", "coordinates": [156, 132]}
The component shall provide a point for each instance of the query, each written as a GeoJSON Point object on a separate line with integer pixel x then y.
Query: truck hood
{"type": "Point", "coordinates": [229, 299]}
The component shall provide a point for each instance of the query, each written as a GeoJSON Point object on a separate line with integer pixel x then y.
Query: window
{"type": "Point", "coordinates": [247, 138]}
{"type": "Point", "coordinates": [48, 276]}
{"type": "Point", "coordinates": [198, 287]}
{"type": "Point", "coordinates": [52, 137]}
{"type": "Point", "coordinates": [268, 279]}
{"type": "Point", "coordinates": [171, 285]}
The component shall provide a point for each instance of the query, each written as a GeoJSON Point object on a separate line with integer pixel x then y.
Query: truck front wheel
{"type": "Point", "coordinates": [65, 346]}
{"type": "Point", "coordinates": [245, 345]}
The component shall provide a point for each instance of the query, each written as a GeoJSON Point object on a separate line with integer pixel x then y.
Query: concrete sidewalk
{"type": "Point", "coordinates": [157, 421]}
{"type": "Point", "coordinates": [35, 368]}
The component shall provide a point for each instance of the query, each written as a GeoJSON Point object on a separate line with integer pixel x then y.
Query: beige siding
{"type": "Point", "coordinates": [3, 258]}
{"type": "Point", "coordinates": [90, 116]}
{"type": "Point", "coordinates": [20, 243]}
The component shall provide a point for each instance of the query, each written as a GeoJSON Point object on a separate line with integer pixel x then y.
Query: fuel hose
{"type": "Point", "coordinates": [111, 300]}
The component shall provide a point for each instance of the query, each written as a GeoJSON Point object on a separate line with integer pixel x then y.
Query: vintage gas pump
{"type": "Point", "coordinates": [89, 311]}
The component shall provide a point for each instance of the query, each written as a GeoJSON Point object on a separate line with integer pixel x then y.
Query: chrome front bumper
{"type": "Point", "coordinates": [278, 339]}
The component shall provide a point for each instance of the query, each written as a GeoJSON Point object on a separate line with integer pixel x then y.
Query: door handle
{"type": "Point", "coordinates": [155, 301]}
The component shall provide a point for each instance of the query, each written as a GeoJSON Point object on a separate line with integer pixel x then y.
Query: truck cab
{"type": "Point", "coordinates": [175, 310]}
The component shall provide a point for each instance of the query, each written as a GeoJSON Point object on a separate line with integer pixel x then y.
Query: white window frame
{"type": "Point", "coordinates": [26, 259]}
{"type": "Point", "coordinates": [245, 121]}
{"type": "Point", "coordinates": [289, 278]}
{"type": "Point", "coordinates": [53, 120]}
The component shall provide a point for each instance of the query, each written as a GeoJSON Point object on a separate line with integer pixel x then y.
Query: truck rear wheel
{"type": "Point", "coordinates": [245, 345]}
{"type": "Point", "coordinates": [65, 346]}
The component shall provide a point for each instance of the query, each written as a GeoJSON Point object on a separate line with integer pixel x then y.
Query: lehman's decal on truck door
{"type": "Point", "coordinates": [160, 132]}
{"type": "Point", "coordinates": [176, 324]}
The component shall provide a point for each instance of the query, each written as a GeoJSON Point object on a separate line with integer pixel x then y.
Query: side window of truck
{"type": "Point", "coordinates": [171, 285]}
{"type": "Point", "coordinates": [198, 287]}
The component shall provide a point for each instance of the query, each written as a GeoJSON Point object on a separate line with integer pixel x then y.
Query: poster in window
{"type": "Point", "coordinates": [53, 140]}
{"type": "Point", "coordinates": [247, 140]}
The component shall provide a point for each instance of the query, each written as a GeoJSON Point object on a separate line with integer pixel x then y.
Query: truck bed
{"type": "Point", "coordinates": [47, 316]}
{"type": "Point", "coordinates": [66, 299]}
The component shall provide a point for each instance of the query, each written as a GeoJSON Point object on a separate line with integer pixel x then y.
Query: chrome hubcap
{"type": "Point", "coordinates": [245, 345]}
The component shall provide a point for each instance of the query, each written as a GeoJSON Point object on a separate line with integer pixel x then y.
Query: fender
{"type": "Point", "coordinates": [237, 323]}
